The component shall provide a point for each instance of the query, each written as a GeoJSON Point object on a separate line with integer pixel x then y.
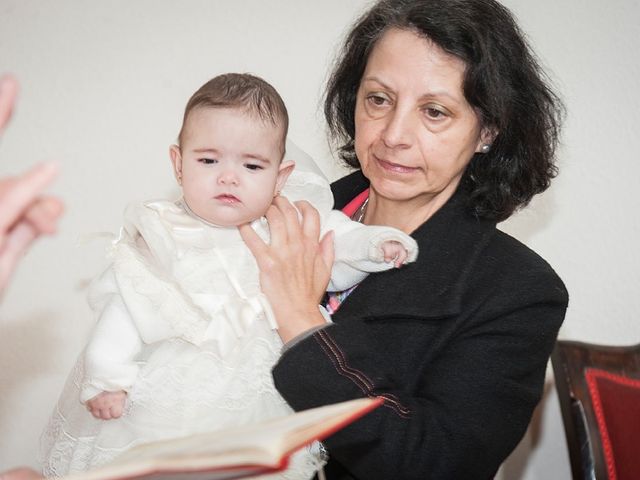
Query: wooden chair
{"type": "Point", "coordinates": [599, 391]}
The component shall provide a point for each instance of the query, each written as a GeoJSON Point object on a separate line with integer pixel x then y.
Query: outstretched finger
{"type": "Point", "coordinates": [44, 214]}
{"type": "Point", "coordinates": [8, 93]}
{"type": "Point", "coordinates": [252, 240]}
{"type": "Point", "coordinates": [310, 219]}
{"type": "Point", "coordinates": [327, 249]}
{"type": "Point", "coordinates": [277, 225]}
{"type": "Point", "coordinates": [289, 217]}
{"type": "Point", "coordinates": [16, 194]}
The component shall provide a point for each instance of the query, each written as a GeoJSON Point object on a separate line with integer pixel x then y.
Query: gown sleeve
{"type": "Point", "coordinates": [114, 342]}
{"type": "Point", "coordinates": [358, 249]}
{"type": "Point", "coordinates": [357, 246]}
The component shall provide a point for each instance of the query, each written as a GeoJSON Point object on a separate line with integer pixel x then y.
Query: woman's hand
{"type": "Point", "coordinates": [25, 213]}
{"type": "Point", "coordinates": [295, 267]}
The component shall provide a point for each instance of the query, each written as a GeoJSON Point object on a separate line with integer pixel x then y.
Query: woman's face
{"type": "Point", "coordinates": [415, 131]}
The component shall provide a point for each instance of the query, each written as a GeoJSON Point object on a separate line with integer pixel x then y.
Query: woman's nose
{"type": "Point", "coordinates": [399, 129]}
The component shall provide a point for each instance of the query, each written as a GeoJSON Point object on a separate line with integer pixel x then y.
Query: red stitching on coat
{"type": "Point", "coordinates": [342, 360]}
{"type": "Point", "coordinates": [360, 379]}
{"type": "Point", "coordinates": [391, 401]}
{"type": "Point", "coordinates": [387, 396]}
{"type": "Point", "coordinates": [338, 368]}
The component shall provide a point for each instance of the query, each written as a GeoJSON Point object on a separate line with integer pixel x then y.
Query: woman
{"type": "Point", "coordinates": [443, 110]}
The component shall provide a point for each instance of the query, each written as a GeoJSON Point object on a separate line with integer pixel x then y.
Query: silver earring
{"type": "Point", "coordinates": [485, 148]}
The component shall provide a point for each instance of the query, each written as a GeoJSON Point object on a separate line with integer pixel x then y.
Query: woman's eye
{"type": "Point", "coordinates": [434, 113]}
{"type": "Point", "coordinates": [377, 100]}
{"type": "Point", "coordinates": [207, 161]}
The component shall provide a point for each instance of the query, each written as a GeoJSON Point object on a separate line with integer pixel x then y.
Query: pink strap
{"type": "Point", "coordinates": [351, 207]}
{"type": "Point", "coordinates": [334, 299]}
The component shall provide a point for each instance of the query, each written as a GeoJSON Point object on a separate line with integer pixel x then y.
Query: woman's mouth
{"type": "Point", "coordinates": [394, 167]}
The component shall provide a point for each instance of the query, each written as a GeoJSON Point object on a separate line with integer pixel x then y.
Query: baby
{"type": "Point", "coordinates": [185, 341]}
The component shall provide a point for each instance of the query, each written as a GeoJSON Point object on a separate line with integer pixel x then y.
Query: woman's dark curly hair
{"type": "Point", "coordinates": [503, 82]}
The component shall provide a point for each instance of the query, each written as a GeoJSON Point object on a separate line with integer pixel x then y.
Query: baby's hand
{"type": "Point", "coordinates": [394, 252]}
{"type": "Point", "coordinates": [107, 405]}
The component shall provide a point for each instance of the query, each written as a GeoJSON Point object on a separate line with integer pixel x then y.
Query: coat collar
{"type": "Point", "coordinates": [450, 243]}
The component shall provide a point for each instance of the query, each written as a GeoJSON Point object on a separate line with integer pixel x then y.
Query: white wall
{"type": "Point", "coordinates": [587, 224]}
{"type": "Point", "coordinates": [103, 88]}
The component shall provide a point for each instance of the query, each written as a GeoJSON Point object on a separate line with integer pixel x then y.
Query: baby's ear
{"type": "Point", "coordinates": [284, 170]}
{"type": "Point", "coordinates": [176, 161]}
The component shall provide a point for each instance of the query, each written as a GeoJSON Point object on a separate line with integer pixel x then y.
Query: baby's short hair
{"type": "Point", "coordinates": [245, 91]}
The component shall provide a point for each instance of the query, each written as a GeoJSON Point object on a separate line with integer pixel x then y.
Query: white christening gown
{"type": "Point", "coordinates": [184, 329]}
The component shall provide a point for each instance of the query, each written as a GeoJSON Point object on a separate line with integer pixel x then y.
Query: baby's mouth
{"type": "Point", "coordinates": [227, 198]}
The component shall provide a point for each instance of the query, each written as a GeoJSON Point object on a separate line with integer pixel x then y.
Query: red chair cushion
{"type": "Point", "coordinates": [616, 401]}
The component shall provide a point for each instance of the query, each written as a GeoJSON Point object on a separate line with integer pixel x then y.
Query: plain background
{"type": "Point", "coordinates": [103, 86]}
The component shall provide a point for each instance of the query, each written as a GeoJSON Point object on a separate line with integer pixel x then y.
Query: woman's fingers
{"type": "Point", "coordinates": [15, 245]}
{"type": "Point", "coordinates": [294, 267]}
{"type": "Point", "coordinates": [8, 93]}
{"type": "Point", "coordinates": [16, 194]}
{"type": "Point", "coordinates": [24, 215]}
{"type": "Point", "coordinates": [290, 217]}
{"type": "Point", "coordinates": [44, 213]}
{"type": "Point", "coordinates": [310, 219]}
{"type": "Point", "coordinates": [327, 250]}
{"type": "Point", "coordinates": [277, 225]}
{"type": "Point", "coordinates": [290, 225]}
{"type": "Point", "coordinates": [284, 223]}
{"type": "Point", "coordinates": [253, 241]}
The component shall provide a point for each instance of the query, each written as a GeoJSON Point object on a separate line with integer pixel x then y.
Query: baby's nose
{"type": "Point", "coordinates": [228, 177]}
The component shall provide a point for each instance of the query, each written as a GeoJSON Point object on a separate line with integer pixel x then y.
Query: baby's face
{"type": "Point", "coordinates": [230, 165]}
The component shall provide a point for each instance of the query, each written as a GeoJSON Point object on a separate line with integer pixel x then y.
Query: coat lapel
{"type": "Point", "coordinates": [450, 243]}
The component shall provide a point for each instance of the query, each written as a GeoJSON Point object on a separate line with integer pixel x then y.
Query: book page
{"type": "Point", "coordinates": [232, 453]}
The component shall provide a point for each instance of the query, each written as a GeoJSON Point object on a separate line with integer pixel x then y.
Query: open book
{"type": "Point", "coordinates": [232, 453]}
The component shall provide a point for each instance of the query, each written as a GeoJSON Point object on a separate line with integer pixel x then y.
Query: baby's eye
{"type": "Point", "coordinates": [253, 166]}
{"type": "Point", "coordinates": [207, 161]}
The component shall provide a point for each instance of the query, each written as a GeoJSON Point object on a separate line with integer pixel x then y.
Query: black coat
{"type": "Point", "coordinates": [457, 343]}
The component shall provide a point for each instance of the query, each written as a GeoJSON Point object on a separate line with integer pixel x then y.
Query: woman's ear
{"type": "Point", "coordinates": [487, 137]}
{"type": "Point", "coordinates": [176, 161]}
{"type": "Point", "coordinates": [284, 170]}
